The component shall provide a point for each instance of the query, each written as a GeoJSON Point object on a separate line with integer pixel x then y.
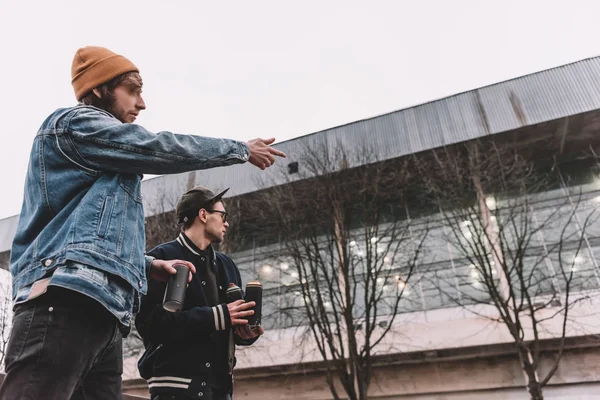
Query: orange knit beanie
{"type": "Point", "coordinates": [93, 66]}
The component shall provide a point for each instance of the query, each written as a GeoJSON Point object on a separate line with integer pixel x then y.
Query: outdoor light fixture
{"type": "Point", "coordinates": [267, 269]}
{"type": "Point", "coordinates": [579, 260]}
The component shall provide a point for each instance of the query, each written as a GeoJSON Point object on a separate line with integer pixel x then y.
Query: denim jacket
{"type": "Point", "coordinates": [82, 211]}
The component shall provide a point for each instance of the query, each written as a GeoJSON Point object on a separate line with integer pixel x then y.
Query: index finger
{"type": "Point", "coordinates": [276, 152]}
{"type": "Point", "coordinates": [246, 306]}
{"type": "Point", "coordinates": [189, 265]}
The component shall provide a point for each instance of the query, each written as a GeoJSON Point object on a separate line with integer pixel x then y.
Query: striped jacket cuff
{"type": "Point", "coordinates": [221, 317]}
{"type": "Point", "coordinates": [172, 382]}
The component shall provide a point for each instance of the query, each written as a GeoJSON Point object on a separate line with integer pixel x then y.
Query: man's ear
{"type": "Point", "coordinates": [202, 215]}
{"type": "Point", "coordinates": [97, 93]}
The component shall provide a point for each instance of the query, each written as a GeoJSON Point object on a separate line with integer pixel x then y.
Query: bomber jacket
{"type": "Point", "coordinates": [187, 352]}
{"type": "Point", "coordinates": [82, 218]}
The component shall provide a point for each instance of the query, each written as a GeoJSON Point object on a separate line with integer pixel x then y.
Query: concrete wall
{"type": "Point", "coordinates": [427, 331]}
{"type": "Point", "coordinates": [492, 377]}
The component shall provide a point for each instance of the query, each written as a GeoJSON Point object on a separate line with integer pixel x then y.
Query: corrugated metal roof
{"type": "Point", "coordinates": [543, 96]}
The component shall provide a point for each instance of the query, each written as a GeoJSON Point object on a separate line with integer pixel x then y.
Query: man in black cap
{"type": "Point", "coordinates": [190, 353]}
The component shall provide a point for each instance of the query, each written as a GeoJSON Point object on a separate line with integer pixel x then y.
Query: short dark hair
{"type": "Point", "coordinates": [107, 90]}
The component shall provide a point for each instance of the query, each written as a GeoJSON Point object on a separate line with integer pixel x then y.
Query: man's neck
{"type": "Point", "coordinates": [198, 238]}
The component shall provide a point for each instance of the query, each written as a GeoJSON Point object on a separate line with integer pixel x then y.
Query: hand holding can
{"type": "Point", "coordinates": [176, 287]}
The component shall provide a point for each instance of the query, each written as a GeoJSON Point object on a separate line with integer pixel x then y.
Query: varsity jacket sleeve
{"type": "Point", "coordinates": [230, 265]}
{"type": "Point", "coordinates": [157, 325]}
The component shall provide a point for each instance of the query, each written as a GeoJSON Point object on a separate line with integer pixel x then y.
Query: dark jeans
{"type": "Point", "coordinates": [63, 345]}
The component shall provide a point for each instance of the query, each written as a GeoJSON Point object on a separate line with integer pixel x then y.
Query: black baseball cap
{"type": "Point", "coordinates": [193, 200]}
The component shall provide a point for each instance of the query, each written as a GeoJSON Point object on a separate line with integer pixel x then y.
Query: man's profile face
{"type": "Point", "coordinates": [215, 226]}
{"type": "Point", "coordinates": [128, 101]}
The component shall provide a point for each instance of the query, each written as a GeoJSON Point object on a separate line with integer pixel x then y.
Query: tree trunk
{"type": "Point", "coordinates": [535, 391]}
{"type": "Point", "coordinates": [533, 385]}
{"type": "Point", "coordinates": [362, 394]}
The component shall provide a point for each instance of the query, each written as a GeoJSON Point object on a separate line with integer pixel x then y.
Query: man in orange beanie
{"type": "Point", "coordinates": [77, 260]}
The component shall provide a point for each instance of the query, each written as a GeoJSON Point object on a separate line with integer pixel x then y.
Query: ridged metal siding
{"type": "Point", "coordinates": [544, 96]}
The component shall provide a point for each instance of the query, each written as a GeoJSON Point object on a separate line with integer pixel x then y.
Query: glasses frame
{"type": "Point", "coordinates": [224, 214]}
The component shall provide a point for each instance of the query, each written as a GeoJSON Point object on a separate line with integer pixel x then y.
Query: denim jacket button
{"type": "Point", "coordinates": [203, 283]}
{"type": "Point", "coordinates": [207, 365]}
{"type": "Point", "coordinates": [141, 284]}
{"type": "Point", "coordinates": [48, 262]}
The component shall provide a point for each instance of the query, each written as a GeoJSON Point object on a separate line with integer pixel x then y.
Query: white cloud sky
{"type": "Point", "coordinates": [244, 69]}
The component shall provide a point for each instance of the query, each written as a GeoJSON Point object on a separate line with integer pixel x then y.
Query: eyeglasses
{"type": "Point", "coordinates": [223, 214]}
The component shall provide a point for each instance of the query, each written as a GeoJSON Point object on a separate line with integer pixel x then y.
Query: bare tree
{"type": "Point", "coordinates": [162, 225]}
{"type": "Point", "coordinates": [520, 231]}
{"type": "Point", "coordinates": [5, 314]}
{"type": "Point", "coordinates": [352, 251]}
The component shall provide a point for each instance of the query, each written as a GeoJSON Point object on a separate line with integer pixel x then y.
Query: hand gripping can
{"type": "Point", "coordinates": [176, 287]}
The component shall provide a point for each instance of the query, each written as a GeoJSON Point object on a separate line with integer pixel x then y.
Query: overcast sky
{"type": "Point", "coordinates": [244, 69]}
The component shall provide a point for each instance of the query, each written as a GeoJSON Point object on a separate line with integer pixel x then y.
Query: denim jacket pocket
{"type": "Point", "coordinates": [106, 211]}
{"type": "Point", "coordinates": [130, 183]}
